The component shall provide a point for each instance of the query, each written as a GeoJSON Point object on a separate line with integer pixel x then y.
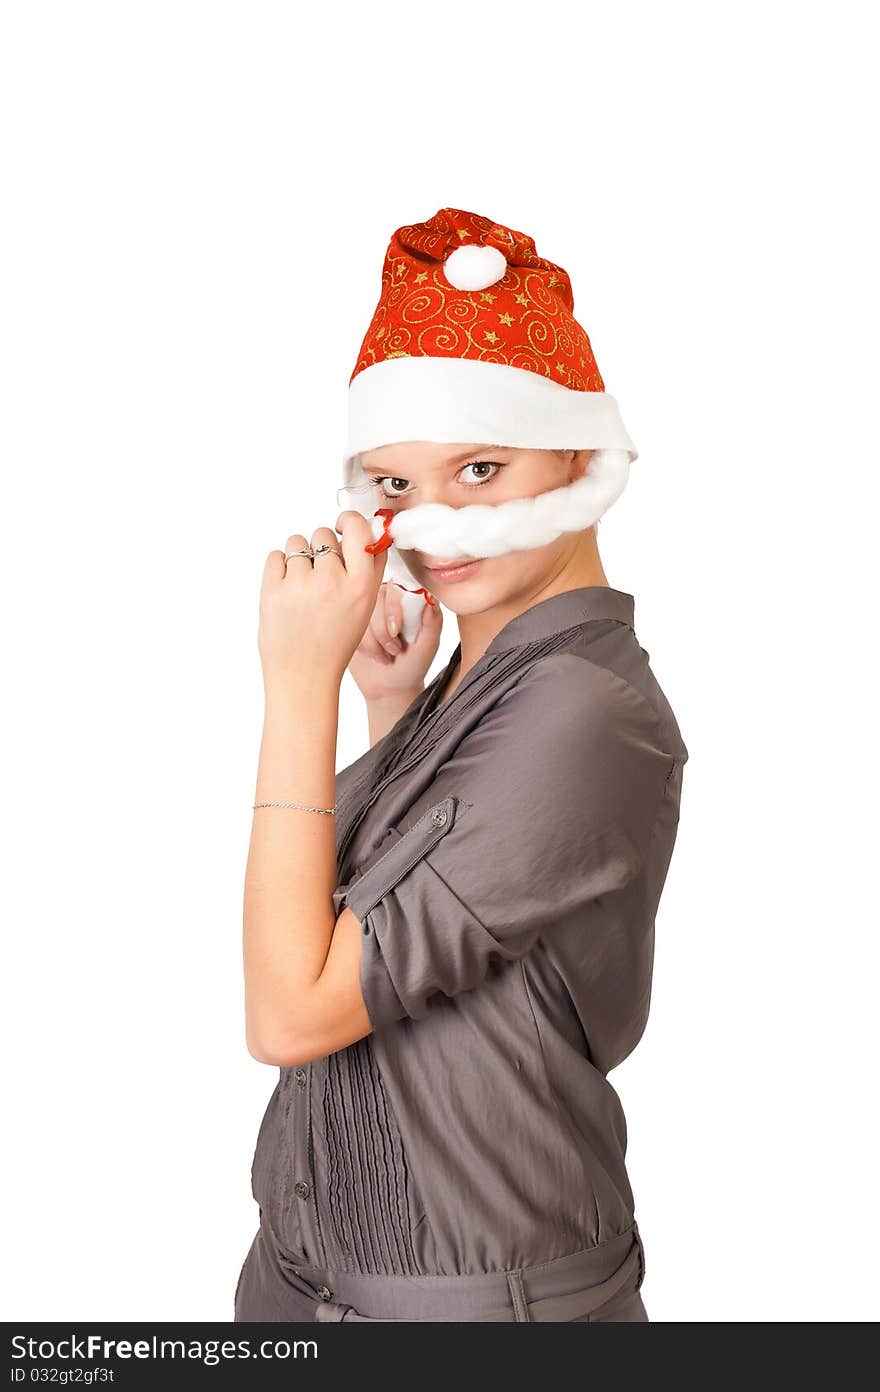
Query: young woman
{"type": "Point", "coordinates": [448, 945]}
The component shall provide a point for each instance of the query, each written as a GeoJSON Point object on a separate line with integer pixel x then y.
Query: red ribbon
{"type": "Point", "coordinates": [386, 539]}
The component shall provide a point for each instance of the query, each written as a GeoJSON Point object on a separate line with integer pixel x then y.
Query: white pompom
{"type": "Point", "coordinates": [474, 267]}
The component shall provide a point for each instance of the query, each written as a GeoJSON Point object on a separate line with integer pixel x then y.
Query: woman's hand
{"type": "Point", "coordinates": [314, 613]}
{"type": "Point", "coordinates": [385, 665]}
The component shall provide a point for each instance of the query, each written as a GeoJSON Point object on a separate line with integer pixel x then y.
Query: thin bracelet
{"type": "Point", "coordinates": [329, 810]}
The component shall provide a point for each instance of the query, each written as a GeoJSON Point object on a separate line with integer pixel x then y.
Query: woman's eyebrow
{"type": "Point", "coordinates": [451, 459]}
{"type": "Point", "coordinates": [474, 449]}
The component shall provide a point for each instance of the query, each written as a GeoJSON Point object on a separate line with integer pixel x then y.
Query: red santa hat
{"type": "Point", "coordinates": [474, 339]}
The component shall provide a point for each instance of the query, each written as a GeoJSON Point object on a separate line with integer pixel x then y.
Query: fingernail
{"type": "Point", "coordinates": [392, 625]}
{"type": "Point", "coordinates": [394, 647]}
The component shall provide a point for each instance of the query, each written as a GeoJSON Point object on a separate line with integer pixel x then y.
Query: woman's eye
{"type": "Point", "coordinates": [484, 472]}
{"type": "Point", "coordinates": [393, 491]}
{"type": "Point", "coordinates": [481, 464]}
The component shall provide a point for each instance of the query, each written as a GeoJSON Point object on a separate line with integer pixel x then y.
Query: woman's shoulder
{"type": "Point", "coordinates": [572, 699]}
{"type": "Point", "coordinates": [571, 761]}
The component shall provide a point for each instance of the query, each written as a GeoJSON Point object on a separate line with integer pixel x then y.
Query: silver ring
{"type": "Point", "coordinates": [304, 551]}
{"type": "Point", "coordinates": [325, 546]}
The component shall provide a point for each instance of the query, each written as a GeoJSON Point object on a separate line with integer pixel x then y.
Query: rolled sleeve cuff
{"type": "Point", "coordinates": [385, 934]}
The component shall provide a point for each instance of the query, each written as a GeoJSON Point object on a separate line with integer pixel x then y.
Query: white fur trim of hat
{"type": "Point", "coordinates": [464, 401]}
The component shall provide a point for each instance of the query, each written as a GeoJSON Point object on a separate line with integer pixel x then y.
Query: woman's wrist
{"type": "Point", "coordinates": [384, 712]}
{"type": "Point", "coordinates": [394, 698]}
{"type": "Point", "coordinates": [298, 746]}
{"type": "Point", "coordinates": [285, 689]}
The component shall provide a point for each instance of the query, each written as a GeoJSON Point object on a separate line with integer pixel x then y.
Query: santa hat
{"type": "Point", "coordinates": [474, 340]}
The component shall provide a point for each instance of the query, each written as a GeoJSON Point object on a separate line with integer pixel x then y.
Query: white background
{"type": "Point", "coordinates": [198, 197]}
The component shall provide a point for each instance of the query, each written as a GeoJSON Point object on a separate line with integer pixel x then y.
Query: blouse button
{"type": "Point", "coordinates": [300, 1076]}
{"type": "Point", "coordinates": [325, 1293]}
{"type": "Point", "coordinates": [302, 1189]}
{"type": "Point", "coordinates": [439, 816]}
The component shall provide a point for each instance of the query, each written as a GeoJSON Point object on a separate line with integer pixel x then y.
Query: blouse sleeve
{"type": "Point", "coordinates": [547, 803]}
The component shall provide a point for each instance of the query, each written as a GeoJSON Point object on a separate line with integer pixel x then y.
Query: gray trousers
{"type": "Point", "coordinates": [272, 1289]}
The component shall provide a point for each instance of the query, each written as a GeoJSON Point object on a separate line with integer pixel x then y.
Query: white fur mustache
{"type": "Point", "coordinates": [519, 524]}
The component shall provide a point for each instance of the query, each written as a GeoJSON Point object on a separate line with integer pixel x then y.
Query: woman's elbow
{"type": "Point", "coordinates": [282, 1047]}
{"type": "Point", "coordinates": [271, 1041]}
{"type": "Point", "coordinates": [280, 1053]}
{"type": "Point", "coordinates": [258, 1050]}
{"type": "Point", "coordinates": [286, 1050]}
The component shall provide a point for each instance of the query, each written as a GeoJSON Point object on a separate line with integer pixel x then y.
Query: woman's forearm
{"type": "Point", "coordinates": [291, 867]}
{"type": "Point", "coordinates": [384, 713]}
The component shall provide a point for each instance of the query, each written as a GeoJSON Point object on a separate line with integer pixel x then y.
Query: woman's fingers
{"type": "Point", "coordinates": [273, 570]}
{"type": "Point", "coordinates": [378, 641]}
{"type": "Point", "coordinates": [297, 566]}
{"type": "Point", "coordinates": [393, 609]}
{"type": "Point", "coordinates": [324, 536]}
{"type": "Point", "coordinates": [427, 634]}
{"type": "Point", "coordinates": [373, 642]}
{"type": "Point", "coordinates": [370, 646]}
{"type": "Point", "coordinates": [382, 620]}
{"type": "Point", "coordinates": [355, 533]}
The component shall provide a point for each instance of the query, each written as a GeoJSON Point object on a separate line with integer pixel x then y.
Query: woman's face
{"type": "Point", "coordinates": [406, 475]}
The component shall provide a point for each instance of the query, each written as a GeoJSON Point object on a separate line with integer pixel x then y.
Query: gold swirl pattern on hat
{"type": "Point", "coordinates": [526, 319]}
{"type": "Point", "coordinates": [442, 340]}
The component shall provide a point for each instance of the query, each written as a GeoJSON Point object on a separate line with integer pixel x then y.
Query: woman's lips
{"type": "Point", "coordinates": [456, 570]}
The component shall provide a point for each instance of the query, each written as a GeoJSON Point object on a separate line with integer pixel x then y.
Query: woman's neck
{"type": "Point", "coordinates": [583, 566]}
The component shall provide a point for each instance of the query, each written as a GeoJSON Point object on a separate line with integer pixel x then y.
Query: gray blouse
{"type": "Point", "coordinates": [505, 851]}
